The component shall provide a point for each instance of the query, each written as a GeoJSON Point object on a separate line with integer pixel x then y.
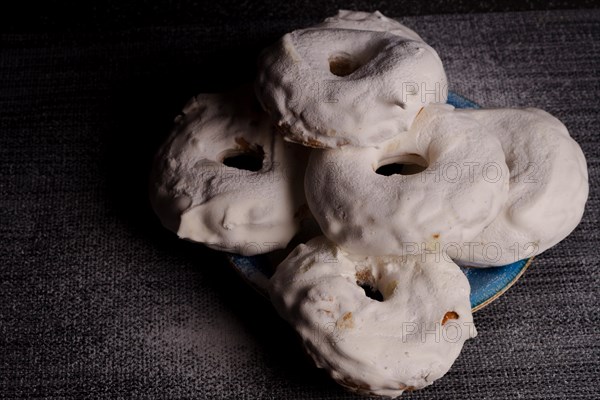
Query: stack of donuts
{"type": "Point", "coordinates": [347, 125]}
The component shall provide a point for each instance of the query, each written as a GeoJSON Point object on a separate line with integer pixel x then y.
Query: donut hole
{"type": "Point", "coordinates": [343, 64]}
{"type": "Point", "coordinates": [370, 291]}
{"type": "Point", "coordinates": [339, 51]}
{"type": "Point", "coordinates": [405, 165]}
{"type": "Point", "coordinates": [249, 160]}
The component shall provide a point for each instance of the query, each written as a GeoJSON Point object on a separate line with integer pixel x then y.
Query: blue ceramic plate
{"type": "Point", "coordinates": [487, 284]}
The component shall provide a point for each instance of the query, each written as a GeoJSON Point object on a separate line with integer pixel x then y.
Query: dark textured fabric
{"type": "Point", "coordinates": [98, 301]}
{"type": "Point", "coordinates": [69, 15]}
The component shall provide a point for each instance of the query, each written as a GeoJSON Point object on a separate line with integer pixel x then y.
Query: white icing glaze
{"type": "Point", "coordinates": [381, 81]}
{"type": "Point", "coordinates": [404, 342]}
{"type": "Point", "coordinates": [366, 21]}
{"type": "Point", "coordinates": [548, 187]}
{"type": "Point", "coordinates": [201, 199]}
{"type": "Point", "coordinates": [463, 189]}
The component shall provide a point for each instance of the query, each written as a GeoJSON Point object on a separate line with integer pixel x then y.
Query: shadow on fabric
{"type": "Point", "coordinates": [144, 105]}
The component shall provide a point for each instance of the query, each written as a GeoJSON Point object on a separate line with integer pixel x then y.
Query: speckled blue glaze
{"type": "Point", "coordinates": [460, 102]}
{"type": "Point", "coordinates": [486, 283]}
{"type": "Point", "coordinates": [255, 270]}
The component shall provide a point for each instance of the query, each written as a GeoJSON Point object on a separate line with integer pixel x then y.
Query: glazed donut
{"type": "Point", "coordinates": [375, 21]}
{"type": "Point", "coordinates": [548, 187]}
{"type": "Point", "coordinates": [461, 190]}
{"type": "Point", "coordinates": [404, 340]}
{"type": "Point", "coordinates": [195, 194]}
{"type": "Point", "coordinates": [330, 86]}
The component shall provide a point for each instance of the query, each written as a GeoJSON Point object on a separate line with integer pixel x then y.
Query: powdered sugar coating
{"type": "Point", "coordinates": [405, 342]}
{"type": "Point", "coordinates": [201, 199]}
{"type": "Point", "coordinates": [340, 83]}
{"type": "Point", "coordinates": [462, 190]}
{"type": "Point", "coordinates": [548, 187]}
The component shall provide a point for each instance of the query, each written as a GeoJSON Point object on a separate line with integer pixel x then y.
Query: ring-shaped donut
{"type": "Point", "coordinates": [200, 193]}
{"type": "Point", "coordinates": [403, 340]}
{"type": "Point", "coordinates": [330, 87]}
{"type": "Point", "coordinates": [461, 190]}
{"type": "Point", "coordinates": [548, 187]}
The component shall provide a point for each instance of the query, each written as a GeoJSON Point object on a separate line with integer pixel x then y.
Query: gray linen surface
{"type": "Point", "coordinates": [98, 301]}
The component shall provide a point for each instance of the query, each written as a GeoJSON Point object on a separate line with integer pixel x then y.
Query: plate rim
{"type": "Point", "coordinates": [489, 300]}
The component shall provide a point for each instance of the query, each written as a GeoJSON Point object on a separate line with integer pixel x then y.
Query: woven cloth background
{"type": "Point", "coordinates": [98, 301]}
